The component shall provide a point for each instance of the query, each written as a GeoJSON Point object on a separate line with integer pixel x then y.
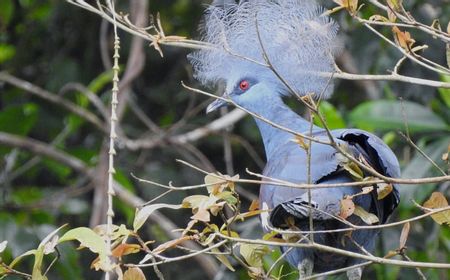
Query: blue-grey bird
{"type": "Point", "coordinates": [297, 40]}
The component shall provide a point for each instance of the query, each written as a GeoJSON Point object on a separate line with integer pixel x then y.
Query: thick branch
{"type": "Point", "coordinates": [53, 98]}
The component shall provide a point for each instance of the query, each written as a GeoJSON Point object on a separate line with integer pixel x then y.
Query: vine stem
{"type": "Point", "coordinates": [112, 138]}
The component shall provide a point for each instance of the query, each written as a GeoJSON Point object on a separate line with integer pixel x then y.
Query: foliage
{"type": "Point", "coordinates": [56, 180]}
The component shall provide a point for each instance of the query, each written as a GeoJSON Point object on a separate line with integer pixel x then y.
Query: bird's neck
{"type": "Point", "coordinates": [281, 115]}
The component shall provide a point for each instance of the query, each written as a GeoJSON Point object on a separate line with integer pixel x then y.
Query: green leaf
{"type": "Point", "coordinates": [6, 12]}
{"type": "Point", "coordinates": [39, 255]}
{"type": "Point", "coordinates": [445, 92]}
{"type": "Point", "coordinates": [418, 167]}
{"type": "Point", "coordinates": [143, 213]}
{"type": "Point", "coordinates": [88, 238]}
{"type": "Point", "coordinates": [18, 119]}
{"type": "Point", "coordinates": [390, 115]}
{"type": "Point", "coordinates": [3, 245]}
{"type": "Point", "coordinates": [228, 197]}
{"type": "Point", "coordinates": [222, 258]}
{"type": "Point", "coordinates": [60, 170]}
{"type": "Point", "coordinates": [100, 81]}
{"type": "Point", "coordinates": [19, 258]}
{"type": "Point", "coordinates": [332, 116]}
{"type": "Point", "coordinates": [254, 253]}
{"type": "Point", "coordinates": [6, 52]}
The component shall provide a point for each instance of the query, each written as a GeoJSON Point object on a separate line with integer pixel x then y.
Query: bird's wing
{"type": "Point", "coordinates": [381, 157]}
{"type": "Point", "coordinates": [290, 164]}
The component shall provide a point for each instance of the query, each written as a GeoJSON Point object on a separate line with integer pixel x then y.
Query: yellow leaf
{"type": "Point", "coordinates": [347, 208]}
{"type": "Point", "coordinates": [384, 190]}
{"type": "Point", "coordinates": [436, 201]}
{"type": "Point", "coordinates": [367, 217]}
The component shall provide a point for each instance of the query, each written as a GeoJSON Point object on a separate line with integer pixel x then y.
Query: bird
{"type": "Point", "coordinates": [262, 52]}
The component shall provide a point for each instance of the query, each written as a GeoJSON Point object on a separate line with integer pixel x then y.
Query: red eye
{"type": "Point", "coordinates": [244, 85]}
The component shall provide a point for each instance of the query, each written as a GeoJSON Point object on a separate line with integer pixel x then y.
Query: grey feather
{"type": "Point", "coordinates": [289, 26]}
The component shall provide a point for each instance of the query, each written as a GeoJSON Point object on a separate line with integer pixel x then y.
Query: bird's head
{"type": "Point", "coordinates": [245, 91]}
{"type": "Point", "coordinates": [254, 43]}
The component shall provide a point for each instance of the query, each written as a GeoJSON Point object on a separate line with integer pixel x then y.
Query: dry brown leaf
{"type": "Point", "coordinates": [347, 208]}
{"type": "Point", "coordinates": [125, 249]}
{"type": "Point", "coordinates": [404, 235]}
{"type": "Point", "coordinates": [352, 5]}
{"type": "Point", "coordinates": [134, 273]}
{"type": "Point", "coordinates": [447, 50]}
{"type": "Point", "coordinates": [171, 244]}
{"type": "Point", "coordinates": [403, 38]}
{"type": "Point", "coordinates": [215, 184]}
{"type": "Point", "coordinates": [189, 226]}
{"type": "Point", "coordinates": [447, 54]}
{"type": "Point", "coordinates": [254, 205]}
{"type": "Point", "coordinates": [243, 216]}
{"type": "Point", "coordinates": [378, 18]}
{"type": "Point", "coordinates": [214, 209]}
{"type": "Point", "coordinates": [391, 254]}
{"type": "Point", "coordinates": [367, 217]}
{"type": "Point", "coordinates": [396, 5]}
{"type": "Point", "coordinates": [354, 170]}
{"type": "Point", "coordinates": [391, 15]}
{"type": "Point", "coordinates": [438, 200]}
{"type": "Point", "coordinates": [367, 190]}
{"type": "Point", "coordinates": [384, 190]}
{"type": "Point", "coordinates": [202, 215]}
{"type": "Point", "coordinates": [301, 142]}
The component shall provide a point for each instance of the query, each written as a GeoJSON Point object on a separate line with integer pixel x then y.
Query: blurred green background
{"type": "Point", "coordinates": [56, 46]}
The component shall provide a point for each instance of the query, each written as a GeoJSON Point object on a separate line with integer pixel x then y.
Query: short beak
{"type": "Point", "coordinates": [216, 104]}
